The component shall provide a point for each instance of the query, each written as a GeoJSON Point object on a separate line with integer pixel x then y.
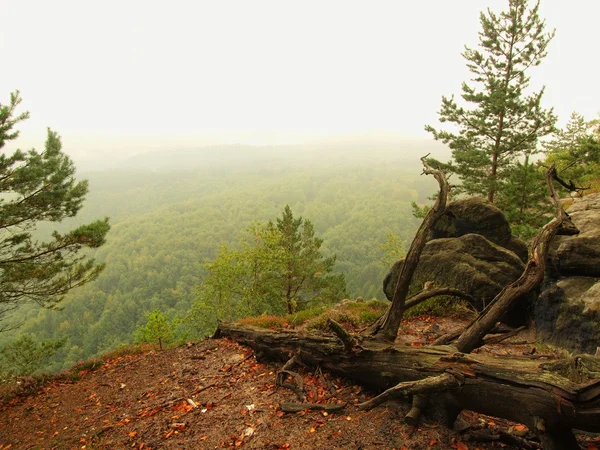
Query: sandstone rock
{"type": "Point", "coordinates": [590, 201]}
{"type": "Point", "coordinates": [470, 263]}
{"type": "Point", "coordinates": [579, 255]}
{"type": "Point", "coordinates": [473, 215]}
{"type": "Point", "coordinates": [567, 313]}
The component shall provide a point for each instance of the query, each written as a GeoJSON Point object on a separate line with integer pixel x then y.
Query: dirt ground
{"type": "Point", "coordinates": [214, 394]}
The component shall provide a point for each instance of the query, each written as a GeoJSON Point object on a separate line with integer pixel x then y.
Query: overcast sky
{"type": "Point", "coordinates": [118, 73]}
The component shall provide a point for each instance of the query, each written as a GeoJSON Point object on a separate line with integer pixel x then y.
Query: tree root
{"type": "Point", "coordinates": [285, 372]}
{"type": "Point", "coordinates": [297, 407]}
{"type": "Point", "coordinates": [347, 339]}
{"type": "Point", "coordinates": [438, 383]}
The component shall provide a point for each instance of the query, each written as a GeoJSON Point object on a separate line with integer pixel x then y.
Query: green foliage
{"type": "Point", "coordinates": [524, 199]}
{"type": "Point", "coordinates": [167, 226]}
{"type": "Point", "coordinates": [158, 329]}
{"type": "Point", "coordinates": [306, 276]}
{"type": "Point", "coordinates": [501, 122]}
{"type": "Point", "coordinates": [34, 188]}
{"type": "Point", "coordinates": [354, 315]}
{"type": "Point", "coordinates": [393, 249]}
{"type": "Point", "coordinates": [575, 150]}
{"type": "Point", "coordinates": [25, 356]}
{"type": "Point", "coordinates": [278, 269]}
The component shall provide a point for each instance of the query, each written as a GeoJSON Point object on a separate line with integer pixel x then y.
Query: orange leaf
{"type": "Point", "coordinates": [132, 433]}
{"type": "Point", "coordinates": [461, 446]}
{"type": "Point", "coordinates": [592, 446]}
{"type": "Point", "coordinates": [432, 442]}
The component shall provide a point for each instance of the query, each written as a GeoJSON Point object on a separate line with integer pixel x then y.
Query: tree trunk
{"type": "Point", "coordinates": [520, 389]}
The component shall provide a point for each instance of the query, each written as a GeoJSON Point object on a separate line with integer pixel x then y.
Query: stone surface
{"type": "Point", "coordinates": [567, 313]}
{"type": "Point", "coordinates": [470, 263]}
{"type": "Point", "coordinates": [473, 215]}
{"type": "Point", "coordinates": [579, 255]}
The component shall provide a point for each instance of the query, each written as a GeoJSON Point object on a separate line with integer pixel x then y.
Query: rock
{"type": "Point", "coordinates": [579, 255]}
{"type": "Point", "coordinates": [590, 201]}
{"type": "Point", "coordinates": [567, 314]}
{"type": "Point", "coordinates": [470, 263]}
{"type": "Point", "coordinates": [473, 215]}
{"type": "Point", "coordinates": [588, 222]}
{"type": "Point", "coordinates": [518, 247]}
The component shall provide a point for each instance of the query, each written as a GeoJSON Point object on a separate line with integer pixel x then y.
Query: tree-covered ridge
{"type": "Point", "coordinates": [169, 225]}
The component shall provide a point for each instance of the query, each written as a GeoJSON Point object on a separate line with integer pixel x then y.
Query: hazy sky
{"type": "Point", "coordinates": [110, 73]}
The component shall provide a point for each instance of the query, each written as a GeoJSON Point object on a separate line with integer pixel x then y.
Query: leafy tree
{"type": "Point", "coordinates": [26, 355]}
{"type": "Point", "coordinates": [393, 248]}
{"type": "Point", "coordinates": [158, 328]}
{"type": "Point", "coordinates": [576, 150]}
{"type": "Point", "coordinates": [500, 122]}
{"type": "Point", "coordinates": [34, 188]}
{"type": "Point", "coordinates": [278, 269]}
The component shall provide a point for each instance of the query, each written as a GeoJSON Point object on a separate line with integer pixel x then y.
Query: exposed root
{"type": "Point", "coordinates": [438, 383]}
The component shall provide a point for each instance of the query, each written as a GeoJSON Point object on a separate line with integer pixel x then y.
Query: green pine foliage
{"type": "Point", "coordinates": [27, 356]}
{"type": "Point", "coordinates": [39, 188]}
{"type": "Point", "coordinates": [499, 122]}
{"type": "Point", "coordinates": [306, 276]}
{"type": "Point", "coordinates": [158, 329]}
{"type": "Point", "coordinates": [277, 269]}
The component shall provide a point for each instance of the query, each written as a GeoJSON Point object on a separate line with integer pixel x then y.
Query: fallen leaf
{"type": "Point", "coordinates": [461, 446]}
{"type": "Point", "coordinates": [432, 442]}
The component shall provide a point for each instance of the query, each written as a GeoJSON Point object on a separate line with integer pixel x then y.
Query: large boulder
{"type": "Point", "coordinates": [567, 313]}
{"type": "Point", "coordinates": [478, 216]}
{"type": "Point", "coordinates": [579, 255]}
{"type": "Point", "coordinates": [470, 262]}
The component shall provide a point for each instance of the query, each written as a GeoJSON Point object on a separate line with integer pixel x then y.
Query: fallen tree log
{"type": "Point", "coordinates": [520, 389]}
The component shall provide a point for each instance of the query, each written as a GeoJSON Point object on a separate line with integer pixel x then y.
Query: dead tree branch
{"type": "Point", "coordinates": [387, 327]}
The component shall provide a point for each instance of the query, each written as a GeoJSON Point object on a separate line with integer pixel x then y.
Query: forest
{"type": "Point", "coordinates": [171, 211]}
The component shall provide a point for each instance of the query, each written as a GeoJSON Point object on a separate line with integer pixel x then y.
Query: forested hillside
{"type": "Point", "coordinates": [170, 211]}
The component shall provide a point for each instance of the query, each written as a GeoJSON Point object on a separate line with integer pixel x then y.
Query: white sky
{"type": "Point", "coordinates": [118, 73]}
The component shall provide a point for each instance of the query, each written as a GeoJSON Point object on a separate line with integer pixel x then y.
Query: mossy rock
{"type": "Point", "coordinates": [470, 263]}
{"type": "Point", "coordinates": [473, 215]}
{"type": "Point", "coordinates": [567, 314]}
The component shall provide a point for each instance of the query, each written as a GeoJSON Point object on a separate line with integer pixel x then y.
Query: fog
{"type": "Point", "coordinates": [117, 79]}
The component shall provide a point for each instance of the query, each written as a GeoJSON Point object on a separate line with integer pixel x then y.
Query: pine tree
{"type": "Point", "coordinates": [40, 187]}
{"type": "Point", "coordinates": [307, 274]}
{"type": "Point", "coordinates": [500, 122]}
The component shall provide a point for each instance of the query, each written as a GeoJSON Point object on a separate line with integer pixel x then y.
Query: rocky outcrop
{"type": "Point", "coordinates": [470, 248]}
{"type": "Point", "coordinates": [567, 312]}
{"type": "Point", "coordinates": [478, 216]}
{"type": "Point", "coordinates": [470, 263]}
